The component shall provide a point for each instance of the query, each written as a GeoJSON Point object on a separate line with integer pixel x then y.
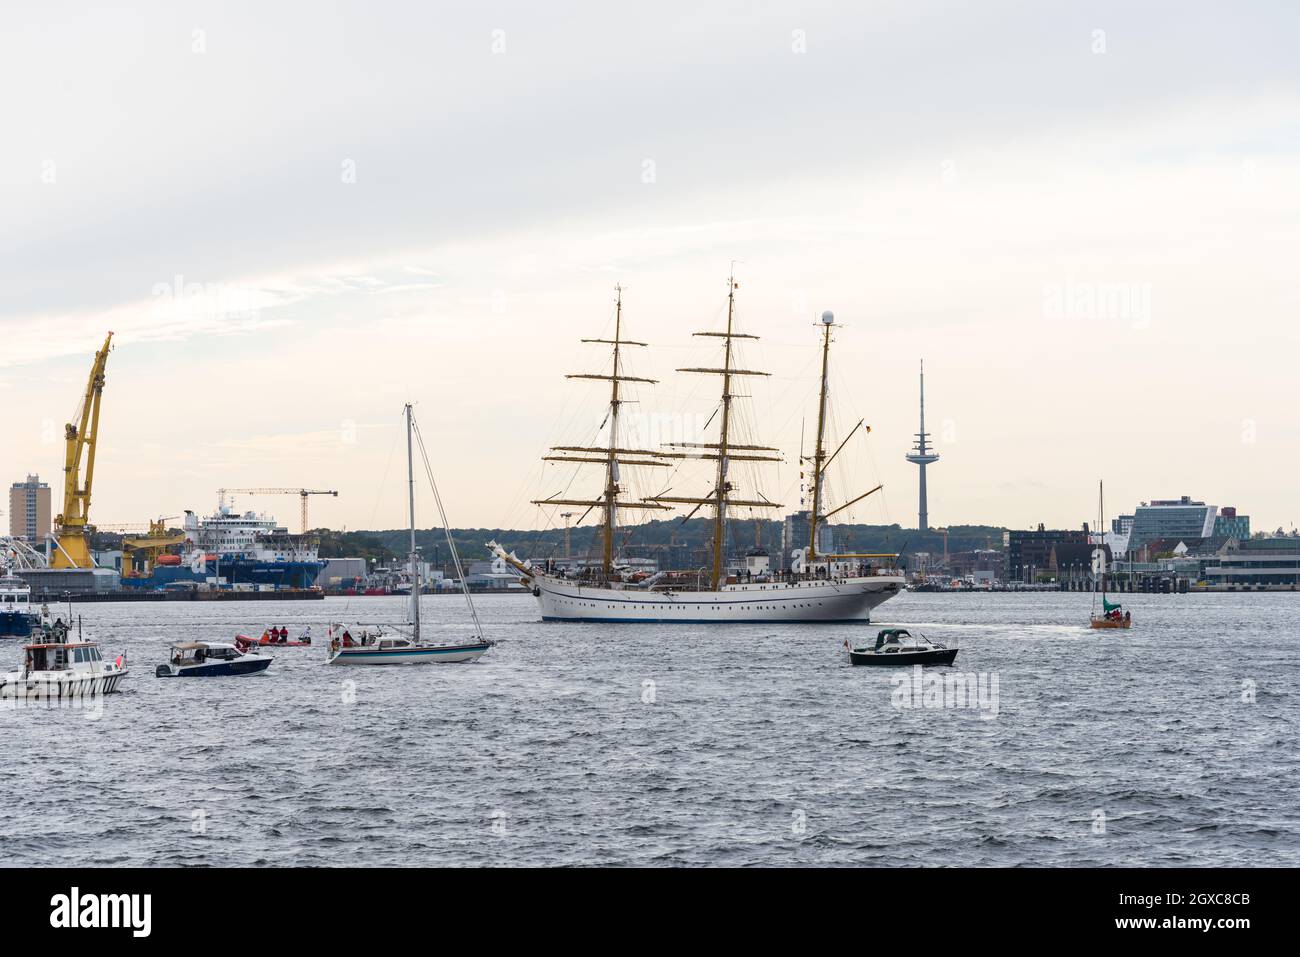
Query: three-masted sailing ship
{"type": "Point", "coordinates": [819, 588]}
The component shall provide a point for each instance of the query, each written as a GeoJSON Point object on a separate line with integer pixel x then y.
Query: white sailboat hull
{"type": "Point", "coordinates": [839, 600]}
{"type": "Point", "coordinates": [410, 655]}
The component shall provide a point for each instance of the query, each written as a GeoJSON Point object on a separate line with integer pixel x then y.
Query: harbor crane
{"type": "Point", "coordinates": [302, 493]}
{"type": "Point", "coordinates": [71, 541]}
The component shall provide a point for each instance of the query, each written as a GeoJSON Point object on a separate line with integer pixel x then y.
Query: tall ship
{"type": "Point", "coordinates": [817, 588]}
{"type": "Point", "coordinates": [227, 549]}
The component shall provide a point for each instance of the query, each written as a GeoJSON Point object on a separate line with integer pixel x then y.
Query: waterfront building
{"type": "Point", "coordinates": [979, 565]}
{"type": "Point", "coordinates": [30, 509]}
{"type": "Point", "coordinates": [1171, 518]}
{"type": "Point", "coordinates": [1257, 562]}
{"type": "Point", "coordinates": [1228, 524]}
{"type": "Point", "coordinates": [1029, 552]}
{"type": "Point", "coordinates": [1072, 561]}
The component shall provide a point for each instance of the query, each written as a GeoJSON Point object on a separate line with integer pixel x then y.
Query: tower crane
{"type": "Point", "coordinates": [71, 545]}
{"type": "Point", "coordinates": [302, 493]}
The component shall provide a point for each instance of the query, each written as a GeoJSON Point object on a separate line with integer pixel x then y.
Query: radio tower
{"type": "Point", "coordinates": [922, 455]}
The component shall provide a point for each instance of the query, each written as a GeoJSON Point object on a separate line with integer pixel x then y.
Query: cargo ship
{"type": "Point", "coordinates": [240, 551]}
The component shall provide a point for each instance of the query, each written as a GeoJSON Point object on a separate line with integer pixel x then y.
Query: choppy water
{"type": "Point", "coordinates": [753, 745]}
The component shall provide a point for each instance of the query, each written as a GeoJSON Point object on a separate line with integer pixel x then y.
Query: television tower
{"type": "Point", "coordinates": [922, 455]}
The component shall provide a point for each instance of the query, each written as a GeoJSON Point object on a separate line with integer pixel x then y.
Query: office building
{"type": "Point", "coordinates": [29, 509]}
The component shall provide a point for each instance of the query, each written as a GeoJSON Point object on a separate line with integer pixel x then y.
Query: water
{"type": "Point", "coordinates": [758, 744]}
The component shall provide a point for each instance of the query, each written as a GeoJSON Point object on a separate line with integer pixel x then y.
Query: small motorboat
{"type": "Point", "coordinates": [898, 646]}
{"type": "Point", "coordinates": [269, 640]}
{"type": "Point", "coordinates": [207, 659]}
{"type": "Point", "coordinates": [56, 669]}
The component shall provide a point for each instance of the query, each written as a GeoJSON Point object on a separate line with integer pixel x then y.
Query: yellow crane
{"type": "Point", "coordinates": [302, 493]}
{"type": "Point", "coordinates": [71, 544]}
{"type": "Point", "coordinates": [144, 551]}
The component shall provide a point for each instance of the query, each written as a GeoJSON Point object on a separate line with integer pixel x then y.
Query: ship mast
{"type": "Point", "coordinates": [609, 454]}
{"type": "Point", "coordinates": [819, 450]}
{"type": "Point", "coordinates": [414, 557]}
{"type": "Point", "coordinates": [723, 450]}
{"type": "Point", "coordinates": [822, 461]}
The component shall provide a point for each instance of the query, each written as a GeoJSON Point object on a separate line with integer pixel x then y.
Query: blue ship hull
{"type": "Point", "coordinates": [15, 624]}
{"type": "Point", "coordinates": [238, 571]}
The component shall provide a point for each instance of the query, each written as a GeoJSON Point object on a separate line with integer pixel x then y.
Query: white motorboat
{"type": "Point", "coordinates": [55, 669]}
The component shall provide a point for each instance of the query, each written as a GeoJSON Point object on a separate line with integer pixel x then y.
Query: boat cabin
{"type": "Point", "coordinates": [197, 652]}
{"type": "Point", "coordinates": [15, 595]}
{"type": "Point", "coordinates": [898, 639]}
{"type": "Point", "coordinates": [70, 656]}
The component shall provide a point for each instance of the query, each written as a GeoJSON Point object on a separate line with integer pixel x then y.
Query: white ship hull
{"type": "Point", "coordinates": [59, 686]}
{"type": "Point", "coordinates": [839, 600]}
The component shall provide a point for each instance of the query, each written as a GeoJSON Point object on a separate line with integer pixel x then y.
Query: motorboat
{"type": "Point", "coordinates": [56, 669]}
{"type": "Point", "coordinates": [208, 659]}
{"type": "Point", "coordinates": [16, 615]}
{"type": "Point", "coordinates": [270, 640]}
{"type": "Point", "coordinates": [898, 646]}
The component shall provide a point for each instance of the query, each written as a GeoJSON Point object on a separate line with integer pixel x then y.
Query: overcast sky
{"type": "Point", "coordinates": [295, 217]}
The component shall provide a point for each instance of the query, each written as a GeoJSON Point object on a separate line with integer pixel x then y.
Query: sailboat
{"type": "Point", "coordinates": [373, 645]}
{"type": "Point", "coordinates": [821, 588]}
{"type": "Point", "coordinates": [1112, 613]}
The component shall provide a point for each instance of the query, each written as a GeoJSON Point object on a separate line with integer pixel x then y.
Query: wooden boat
{"type": "Point", "coordinates": [372, 645]}
{"type": "Point", "coordinates": [1112, 613]}
{"type": "Point", "coordinates": [898, 646]}
{"type": "Point", "coordinates": [209, 659]}
{"type": "Point", "coordinates": [1098, 621]}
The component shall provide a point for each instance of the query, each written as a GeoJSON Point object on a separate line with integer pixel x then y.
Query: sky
{"type": "Point", "coordinates": [295, 218]}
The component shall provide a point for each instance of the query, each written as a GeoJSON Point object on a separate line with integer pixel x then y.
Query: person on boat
{"type": "Point", "coordinates": [1128, 616]}
{"type": "Point", "coordinates": [347, 640]}
{"type": "Point", "coordinates": [266, 636]}
{"type": "Point", "coordinates": [305, 637]}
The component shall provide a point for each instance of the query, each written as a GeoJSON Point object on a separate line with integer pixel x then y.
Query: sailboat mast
{"type": "Point", "coordinates": [413, 557]}
{"type": "Point", "coordinates": [1101, 545]}
{"type": "Point", "coordinates": [611, 470]}
{"type": "Point", "coordinates": [720, 508]}
{"type": "Point", "coordinates": [819, 450]}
